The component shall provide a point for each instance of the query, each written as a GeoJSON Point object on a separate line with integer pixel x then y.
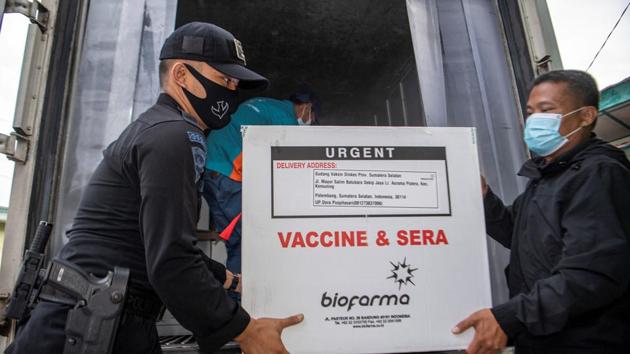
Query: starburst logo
{"type": "Point", "coordinates": [402, 273]}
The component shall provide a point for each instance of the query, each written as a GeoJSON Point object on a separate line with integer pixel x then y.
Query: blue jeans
{"type": "Point", "coordinates": [224, 199]}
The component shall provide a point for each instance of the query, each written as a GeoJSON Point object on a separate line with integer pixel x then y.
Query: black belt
{"type": "Point", "coordinates": [138, 303]}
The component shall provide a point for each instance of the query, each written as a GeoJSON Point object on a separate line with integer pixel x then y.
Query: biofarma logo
{"type": "Point", "coordinates": [363, 300]}
{"type": "Point", "coordinates": [402, 273]}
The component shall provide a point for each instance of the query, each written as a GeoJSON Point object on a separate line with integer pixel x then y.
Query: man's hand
{"type": "Point", "coordinates": [239, 287]}
{"type": "Point", "coordinates": [263, 336]}
{"type": "Point", "coordinates": [489, 337]}
{"type": "Point", "coordinates": [229, 277]}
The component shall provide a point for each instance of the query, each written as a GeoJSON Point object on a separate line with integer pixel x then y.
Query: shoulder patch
{"type": "Point", "coordinates": [199, 157]}
{"type": "Point", "coordinates": [198, 149]}
{"type": "Point", "coordinates": [196, 137]}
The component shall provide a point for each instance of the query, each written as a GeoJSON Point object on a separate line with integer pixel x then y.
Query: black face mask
{"type": "Point", "coordinates": [219, 104]}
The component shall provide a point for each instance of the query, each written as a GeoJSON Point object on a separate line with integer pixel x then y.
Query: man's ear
{"type": "Point", "coordinates": [588, 116]}
{"type": "Point", "coordinates": [179, 74]}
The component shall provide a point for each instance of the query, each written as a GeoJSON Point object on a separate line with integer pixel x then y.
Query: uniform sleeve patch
{"type": "Point", "coordinates": [196, 138]}
{"type": "Point", "coordinates": [199, 157]}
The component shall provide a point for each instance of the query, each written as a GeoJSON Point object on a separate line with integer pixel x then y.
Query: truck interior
{"type": "Point", "coordinates": [356, 55]}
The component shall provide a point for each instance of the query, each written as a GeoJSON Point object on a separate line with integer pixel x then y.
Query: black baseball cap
{"type": "Point", "coordinates": [202, 41]}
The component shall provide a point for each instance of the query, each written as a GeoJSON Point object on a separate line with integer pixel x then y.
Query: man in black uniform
{"type": "Point", "coordinates": [569, 233]}
{"type": "Point", "coordinates": [140, 210]}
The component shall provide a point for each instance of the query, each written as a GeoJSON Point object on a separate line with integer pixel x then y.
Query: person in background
{"type": "Point", "coordinates": [224, 160]}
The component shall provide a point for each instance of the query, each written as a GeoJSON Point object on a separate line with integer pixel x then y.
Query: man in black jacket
{"type": "Point", "coordinates": [140, 210]}
{"type": "Point", "coordinates": [569, 233]}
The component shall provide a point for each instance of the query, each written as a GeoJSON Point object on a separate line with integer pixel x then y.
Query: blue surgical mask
{"type": "Point", "coordinates": [542, 134]}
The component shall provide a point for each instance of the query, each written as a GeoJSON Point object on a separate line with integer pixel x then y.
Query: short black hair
{"type": "Point", "coordinates": [580, 84]}
{"type": "Point", "coordinates": [165, 66]}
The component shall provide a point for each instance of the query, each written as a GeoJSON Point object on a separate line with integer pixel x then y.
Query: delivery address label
{"type": "Point", "coordinates": [373, 188]}
{"type": "Point", "coordinates": [359, 181]}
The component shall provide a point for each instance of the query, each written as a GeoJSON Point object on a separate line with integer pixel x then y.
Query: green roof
{"type": "Point", "coordinates": [614, 95]}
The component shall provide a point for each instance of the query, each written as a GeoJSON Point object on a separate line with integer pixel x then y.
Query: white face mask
{"type": "Point", "coordinates": [300, 118]}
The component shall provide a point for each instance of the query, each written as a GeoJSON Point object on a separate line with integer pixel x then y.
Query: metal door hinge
{"type": "Point", "coordinates": [543, 65]}
{"type": "Point", "coordinates": [15, 146]}
{"type": "Point", "coordinates": [35, 11]}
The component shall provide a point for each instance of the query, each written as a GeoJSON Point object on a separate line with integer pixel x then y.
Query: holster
{"type": "Point", "coordinates": [92, 323]}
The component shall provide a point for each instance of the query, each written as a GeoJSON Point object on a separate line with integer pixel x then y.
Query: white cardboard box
{"type": "Point", "coordinates": [376, 234]}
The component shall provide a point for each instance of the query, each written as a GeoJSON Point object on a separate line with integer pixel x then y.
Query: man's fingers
{"type": "Point", "coordinates": [239, 287]}
{"type": "Point", "coordinates": [229, 277]}
{"type": "Point", "coordinates": [290, 321]}
{"type": "Point", "coordinates": [474, 347]}
{"type": "Point", "coordinates": [464, 325]}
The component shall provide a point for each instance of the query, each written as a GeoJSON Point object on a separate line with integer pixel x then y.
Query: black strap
{"type": "Point", "coordinates": [234, 284]}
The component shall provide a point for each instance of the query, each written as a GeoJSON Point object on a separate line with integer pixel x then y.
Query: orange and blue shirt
{"type": "Point", "coordinates": [225, 146]}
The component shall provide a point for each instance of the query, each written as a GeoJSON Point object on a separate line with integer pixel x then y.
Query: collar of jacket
{"type": "Point", "coordinates": [536, 167]}
{"type": "Point", "coordinates": [166, 100]}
